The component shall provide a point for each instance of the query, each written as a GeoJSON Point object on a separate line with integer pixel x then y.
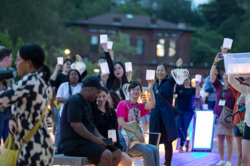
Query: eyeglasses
{"type": "Point", "coordinates": [136, 90]}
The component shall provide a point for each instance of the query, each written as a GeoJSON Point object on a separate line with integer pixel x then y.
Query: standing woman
{"type": "Point", "coordinates": [185, 103]}
{"type": "Point", "coordinates": [28, 98]}
{"type": "Point", "coordinates": [224, 97]}
{"type": "Point", "coordinates": [162, 119]}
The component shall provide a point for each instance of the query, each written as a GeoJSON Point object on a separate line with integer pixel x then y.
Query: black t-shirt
{"type": "Point", "coordinates": [185, 98]}
{"type": "Point", "coordinates": [102, 123]}
{"type": "Point", "coordinates": [75, 109]}
{"type": "Point", "coordinates": [60, 78]}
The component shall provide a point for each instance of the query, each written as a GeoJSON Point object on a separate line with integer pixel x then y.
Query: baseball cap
{"type": "Point", "coordinates": [92, 82]}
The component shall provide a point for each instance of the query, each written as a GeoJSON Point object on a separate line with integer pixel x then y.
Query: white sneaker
{"type": "Point", "coordinates": [221, 163]}
{"type": "Point", "coordinates": [228, 163]}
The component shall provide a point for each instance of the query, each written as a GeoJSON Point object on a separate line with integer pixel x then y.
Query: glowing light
{"type": "Point", "coordinates": [67, 51]}
{"type": "Point", "coordinates": [96, 70]}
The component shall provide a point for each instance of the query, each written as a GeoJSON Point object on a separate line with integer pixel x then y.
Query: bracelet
{"type": "Point", "coordinates": [215, 64]}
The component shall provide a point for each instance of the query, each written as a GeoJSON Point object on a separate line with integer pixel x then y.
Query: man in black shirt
{"type": "Point", "coordinates": [79, 137]}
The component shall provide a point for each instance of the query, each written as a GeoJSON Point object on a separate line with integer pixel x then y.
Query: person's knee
{"type": "Point", "coordinates": [106, 157]}
{"type": "Point", "coordinates": [149, 152]}
{"type": "Point", "coordinates": [117, 155]}
{"type": "Point", "coordinates": [239, 154]}
{"type": "Point", "coordinates": [221, 138]}
{"type": "Point", "coordinates": [244, 159]}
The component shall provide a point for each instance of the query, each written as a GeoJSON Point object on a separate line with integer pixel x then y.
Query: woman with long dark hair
{"type": "Point", "coordinates": [28, 98]}
{"type": "Point", "coordinates": [113, 99]}
{"type": "Point", "coordinates": [69, 88]}
{"type": "Point", "coordinates": [162, 119]}
{"type": "Point", "coordinates": [120, 93]}
{"type": "Point", "coordinates": [185, 103]}
{"type": "Point", "coordinates": [104, 120]}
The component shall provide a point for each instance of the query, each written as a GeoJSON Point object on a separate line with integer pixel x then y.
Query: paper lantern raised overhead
{"type": "Point", "coordinates": [180, 75]}
{"type": "Point", "coordinates": [112, 134]}
{"type": "Point", "coordinates": [104, 68]}
{"type": "Point", "coordinates": [198, 77]}
{"type": "Point", "coordinates": [110, 45]}
{"type": "Point", "coordinates": [103, 39]}
{"type": "Point", "coordinates": [128, 66]}
{"type": "Point", "coordinates": [60, 60]}
{"type": "Point", "coordinates": [227, 43]}
{"type": "Point", "coordinates": [150, 75]}
{"type": "Point", "coordinates": [237, 64]}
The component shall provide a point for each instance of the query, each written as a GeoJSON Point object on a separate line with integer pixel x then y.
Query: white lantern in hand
{"type": "Point", "coordinates": [60, 60]}
{"type": "Point", "coordinates": [103, 39]}
{"type": "Point", "coordinates": [128, 66]}
{"type": "Point", "coordinates": [112, 134]}
{"type": "Point", "coordinates": [180, 75]}
{"type": "Point", "coordinates": [227, 43]}
{"type": "Point", "coordinates": [150, 74]}
{"type": "Point", "coordinates": [198, 77]}
{"type": "Point", "coordinates": [104, 68]}
{"type": "Point", "coordinates": [110, 45]}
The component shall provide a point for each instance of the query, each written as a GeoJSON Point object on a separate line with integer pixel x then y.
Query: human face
{"type": "Point", "coordinates": [187, 82]}
{"type": "Point", "coordinates": [102, 98]}
{"type": "Point", "coordinates": [118, 72]}
{"type": "Point", "coordinates": [66, 66]}
{"type": "Point", "coordinates": [7, 60]}
{"type": "Point", "coordinates": [161, 72]}
{"type": "Point", "coordinates": [101, 61]}
{"type": "Point", "coordinates": [21, 66]}
{"type": "Point", "coordinates": [111, 102]}
{"type": "Point", "coordinates": [119, 95]}
{"type": "Point", "coordinates": [73, 77]}
{"type": "Point", "coordinates": [135, 92]}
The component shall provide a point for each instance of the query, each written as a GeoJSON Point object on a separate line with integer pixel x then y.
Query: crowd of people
{"type": "Point", "coordinates": [85, 110]}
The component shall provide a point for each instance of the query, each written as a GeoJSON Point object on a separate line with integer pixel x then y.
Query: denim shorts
{"type": "Point", "coordinates": [237, 132]}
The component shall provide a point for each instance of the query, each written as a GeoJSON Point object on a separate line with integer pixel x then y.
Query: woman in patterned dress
{"type": "Point", "coordinates": [28, 98]}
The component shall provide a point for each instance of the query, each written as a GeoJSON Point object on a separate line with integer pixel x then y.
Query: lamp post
{"type": "Point", "coordinates": [67, 51]}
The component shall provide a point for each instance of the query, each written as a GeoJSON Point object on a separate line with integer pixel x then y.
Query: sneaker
{"type": "Point", "coordinates": [180, 149]}
{"type": "Point", "coordinates": [221, 163]}
{"type": "Point", "coordinates": [187, 146]}
{"type": "Point", "coordinates": [228, 163]}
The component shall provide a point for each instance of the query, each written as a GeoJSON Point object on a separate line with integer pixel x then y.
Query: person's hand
{"type": "Point", "coordinates": [104, 46]}
{"type": "Point", "coordinates": [179, 62]}
{"type": "Point", "coordinates": [218, 58]}
{"type": "Point", "coordinates": [112, 144]}
{"type": "Point", "coordinates": [79, 58]}
{"type": "Point", "coordinates": [151, 84]}
{"type": "Point", "coordinates": [224, 50]}
{"type": "Point", "coordinates": [105, 77]}
{"type": "Point", "coordinates": [140, 137]}
{"type": "Point", "coordinates": [58, 67]}
{"type": "Point", "coordinates": [129, 75]}
{"type": "Point", "coordinates": [111, 52]}
{"type": "Point", "coordinates": [99, 141]}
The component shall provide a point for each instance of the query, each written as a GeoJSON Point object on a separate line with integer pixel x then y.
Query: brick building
{"type": "Point", "coordinates": [156, 41]}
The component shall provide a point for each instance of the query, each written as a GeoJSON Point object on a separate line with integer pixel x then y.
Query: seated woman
{"type": "Point", "coordinates": [135, 111]}
{"type": "Point", "coordinates": [105, 119]}
{"type": "Point", "coordinates": [113, 99]}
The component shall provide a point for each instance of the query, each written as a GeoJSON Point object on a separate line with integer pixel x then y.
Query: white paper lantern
{"type": "Point", "coordinates": [150, 74]}
{"type": "Point", "coordinates": [227, 43]}
{"type": "Point", "coordinates": [103, 39]}
{"type": "Point", "coordinates": [112, 134]}
{"type": "Point", "coordinates": [180, 75]}
{"type": "Point", "coordinates": [104, 68]}
{"type": "Point", "coordinates": [110, 45]}
{"type": "Point", "coordinates": [60, 60]}
{"type": "Point", "coordinates": [198, 77]}
{"type": "Point", "coordinates": [128, 66]}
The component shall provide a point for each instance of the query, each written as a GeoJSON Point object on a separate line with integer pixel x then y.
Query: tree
{"type": "Point", "coordinates": [131, 7]}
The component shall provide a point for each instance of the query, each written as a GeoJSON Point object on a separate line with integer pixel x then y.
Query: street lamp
{"type": "Point", "coordinates": [96, 70]}
{"type": "Point", "coordinates": [67, 51]}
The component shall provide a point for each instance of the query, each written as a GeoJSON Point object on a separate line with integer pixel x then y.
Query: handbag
{"type": "Point", "coordinates": [10, 154]}
{"type": "Point", "coordinates": [131, 135]}
{"type": "Point", "coordinates": [225, 112]}
{"type": "Point", "coordinates": [58, 105]}
{"type": "Point", "coordinates": [176, 111]}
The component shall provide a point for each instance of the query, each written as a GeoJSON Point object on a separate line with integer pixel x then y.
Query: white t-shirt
{"type": "Point", "coordinates": [63, 92]}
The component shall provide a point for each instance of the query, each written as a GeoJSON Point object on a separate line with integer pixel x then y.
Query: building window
{"type": "Point", "coordinates": [102, 31]}
{"type": "Point", "coordinates": [139, 46]}
{"type": "Point", "coordinates": [111, 31]}
{"type": "Point", "coordinates": [160, 48]}
{"type": "Point", "coordinates": [94, 44]}
{"type": "Point", "coordinates": [172, 48]}
{"type": "Point", "coordinates": [175, 35]}
{"type": "Point", "coordinates": [138, 76]}
{"type": "Point", "coordinates": [92, 30]}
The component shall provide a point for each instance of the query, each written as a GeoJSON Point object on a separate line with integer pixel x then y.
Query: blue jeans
{"type": "Point", "coordinates": [4, 124]}
{"type": "Point", "coordinates": [57, 132]}
{"type": "Point", "coordinates": [183, 122]}
{"type": "Point", "coordinates": [149, 153]}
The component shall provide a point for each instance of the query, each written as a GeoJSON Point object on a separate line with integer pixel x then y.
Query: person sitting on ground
{"type": "Point", "coordinates": [79, 136]}
{"type": "Point", "coordinates": [105, 119]}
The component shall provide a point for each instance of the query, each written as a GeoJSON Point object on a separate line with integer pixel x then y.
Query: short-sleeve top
{"type": "Point", "coordinates": [185, 99]}
{"type": "Point", "coordinates": [229, 97]}
{"type": "Point", "coordinates": [63, 92]}
{"type": "Point", "coordinates": [128, 114]}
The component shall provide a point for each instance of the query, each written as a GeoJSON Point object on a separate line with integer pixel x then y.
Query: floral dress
{"type": "Point", "coordinates": [28, 98]}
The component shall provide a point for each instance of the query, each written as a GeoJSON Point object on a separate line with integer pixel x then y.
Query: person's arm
{"type": "Point", "coordinates": [83, 132]}
{"type": "Point", "coordinates": [197, 91]}
{"type": "Point", "coordinates": [54, 75]}
{"type": "Point", "coordinates": [84, 74]}
{"type": "Point", "coordinates": [17, 91]}
{"type": "Point", "coordinates": [151, 102]}
{"type": "Point", "coordinates": [59, 95]}
{"type": "Point", "coordinates": [237, 86]}
{"type": "Point", "coordinates": [97, 134]}
{"type": "Point", "coordinates": [213, 69]}
{"type": "Point", "coordinates": [126, 126]}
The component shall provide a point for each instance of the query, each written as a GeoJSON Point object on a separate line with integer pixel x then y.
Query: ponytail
{"type": "Point", "coordinates": [46, 73]}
